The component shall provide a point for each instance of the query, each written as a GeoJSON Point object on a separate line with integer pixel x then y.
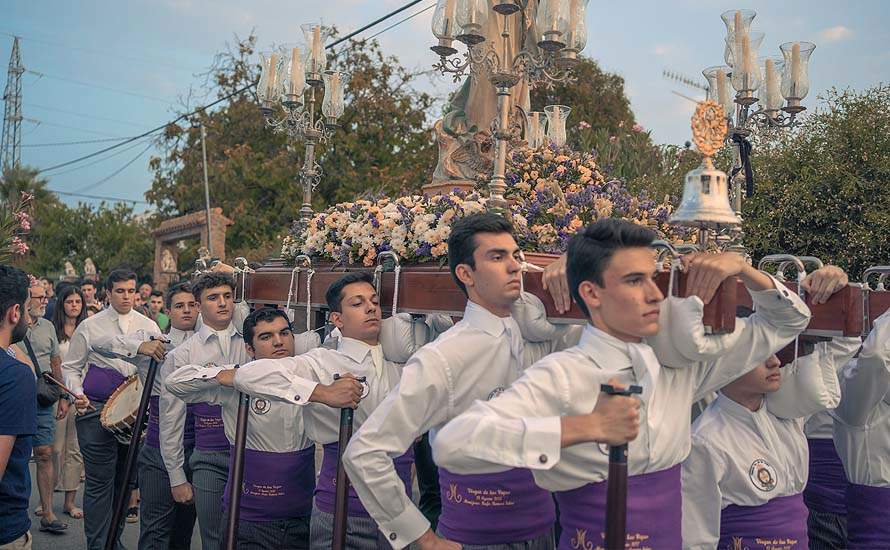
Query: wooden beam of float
{"type": "Point", "coordinates": [430, 289]}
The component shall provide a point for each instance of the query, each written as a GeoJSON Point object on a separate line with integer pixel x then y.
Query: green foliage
{"type": "Point", "coordinates": [824, 189]}
{"type": "Point", "coordinates": [383, 146]}
{"type": "Point", "coordinates": [111, 236]}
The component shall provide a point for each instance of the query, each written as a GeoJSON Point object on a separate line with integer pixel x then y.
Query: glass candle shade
{"type": "Point", "coordinates": [577, 32]}
{"type": "Point", "coordinates": [719, 89]}
{"type": "Point", "coordinates": [292, 78]}
{"type": "Point", "coordinates": [267, 87]}
{"type": "Point", "coordinates": [444, 27]}
{"type": "Point", "coordinates": [733, 18]}
{"type": "Point", "coordinates": [535, 122]}
{"type": "Point", "coordinates": [472, 17]}
{"type": "Point", "coordinates": [552, 24]}
{"type": "Point", "coordinates": [795, 78]}
{"type": "Point", "coordinates": [316, 60]}
{"type": "Point", "coordinates": [556, 123]}
{"type": "Point", "coordinates": [332, 105]}
{"type": "Point", "coordinates": [770, 91]}
{"type": "Point", "coordinates": [746, 76]}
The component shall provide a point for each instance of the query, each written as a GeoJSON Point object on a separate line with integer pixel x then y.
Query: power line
{"type": "Point", "coordinates": [76, 128]}
{"type": "Point", "coordinates": [116, 172]}
{"type": "Point", "coordinates": [82, 115]}
{"type": "Point", "coordinates": [101, 87]}
{"type": "Point", "coordinates": [97, 161]}
{"type": "Point", "coordinates": [98, 197]}
{"type": "Point", "coordinates": [396, 24]}
{"type": "Point", "coordinates": [372, 23]}
{"type": "Point", "coordinates": [82, 142]}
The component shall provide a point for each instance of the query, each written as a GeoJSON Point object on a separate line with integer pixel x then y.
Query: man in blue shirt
{"type": "Point", "coordinates": [18, 413]}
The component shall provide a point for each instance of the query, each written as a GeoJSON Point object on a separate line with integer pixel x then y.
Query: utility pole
{"type": "Point", "coordinates": [206, 189]}
{"type": "Point", "coordinates": [11, 144]}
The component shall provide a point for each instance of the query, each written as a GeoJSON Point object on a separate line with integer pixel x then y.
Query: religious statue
{"type": "Point", "coordinates": [89, 270]}
{"type": "Point", "coordinates": [168, 262]}
{"type": "Point", "coordinates": [70, 273]}
{"type": "Point", "coordinates": [464, 134]}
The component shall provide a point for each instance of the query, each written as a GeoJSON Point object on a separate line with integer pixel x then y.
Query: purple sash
{"type": "Point", "coordinates": [276, 486]}
{"type": "Point", "coordinates": [153, 430]}
{"type": "Point", "coordinates": [502, 508]}
{"type": "Point", "coordinates": [780, 523]}
{"type": "Point", "coordinates": [868, 518]}
{"type": "Point", "coordinates": [100, 382]}
{"type": "Point", "coordinates": [654, 512]}
{"type": "Point", "coordinates": [327, 481]}
{"type": "Point", "coordinates": [188, 433]}
{"type": "Point", "coordinates": [210, 435]}
{"type": "Point", "coordinates": [827, 485]}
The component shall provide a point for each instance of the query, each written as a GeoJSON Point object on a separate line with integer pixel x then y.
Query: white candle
{"type": "Point", "coordinates": [273, 75]}
{"type": "Point", "coordinates": [449, 18]}
{"type": "Point", "coordinates": [721, 88]}
{"type": "Point", "coordinates": [746, 65]}
{"type": "Point", "coordinates": [471, 5]}
{"type": "Point", "coordinates": [771, 84]}
{"type": "Point", "coordinates": [316, 48]}
{"type": "Point", "coordinates": [573, 22]}
{"type": "Point", "coordinates": [738, 32]}
{"type": "Point", "coordinates": [294, 69]}
{"type": "Point", "coordinates": [795, 68]}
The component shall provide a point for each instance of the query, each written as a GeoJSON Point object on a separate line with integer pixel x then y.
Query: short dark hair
{"type": "Point", "coordinates": [334, 294]}
{"type": "Point", "coordinates": [591, 249]}
{"type": "Point", "coordinates": [90, 282]}
{"type": "Point", "coordinates": [119, 276]}
{"type": "Point", "coordinates": [177, 288]}
{"type": "Point", "coordinates": [59, 319]}
{"type": "Point", "coordinates": [14, 286]}
{"type": "Point", "coordinates": [462, 241]}
{"type": "Point", "coordinates": [211, 280]}
{"type": "Point", "coordinates": [262, 315]}
{"type": "Point", "coordinates": [48, 280]}
{"type": "Point", "coordinates": [156, 292]}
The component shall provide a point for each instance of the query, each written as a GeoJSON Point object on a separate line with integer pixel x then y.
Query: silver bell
{"type": "Point", "coordinates": [705, 201]}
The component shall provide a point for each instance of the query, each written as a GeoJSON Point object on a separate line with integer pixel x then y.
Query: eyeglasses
{"type": "Point", "coordinates": [40, 298]}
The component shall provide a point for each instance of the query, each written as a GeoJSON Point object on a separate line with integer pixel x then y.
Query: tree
{"type": "Point", "coordinates": [383, 146]}
{"type": "Point", "coordinates": [824, 189]}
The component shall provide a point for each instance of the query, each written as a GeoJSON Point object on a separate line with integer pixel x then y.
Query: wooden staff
{"type": "Point", "coordinates": [341, 500]}
{"type": "Point", "coordinates": [237, 472]}
{"type": "Point", "coordinates": [616, 489]}
{"type": "Point", "coordinates": [132, 451]}
{"type": "Point", "coordinates": [49, 378]}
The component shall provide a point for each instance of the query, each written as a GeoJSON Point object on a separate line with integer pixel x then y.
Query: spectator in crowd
{"type": "Point", "coordinates": [88, 288]}
{"type": "Point", "coordinates": [145, 291]}
{"type": "Point", "coordinates": [42, 347]}
{"type": "Point", "coordinates": [156, 308]}
{"type": "Point", "coordinates": [49, 287]}
{"type": "Point", "coordinates": [68, 315]}
{"type": "Point", "coordinates": [18, 413]}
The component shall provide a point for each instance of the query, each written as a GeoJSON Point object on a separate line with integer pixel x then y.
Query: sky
{"type": "Point", "coordinates": [100, 69]}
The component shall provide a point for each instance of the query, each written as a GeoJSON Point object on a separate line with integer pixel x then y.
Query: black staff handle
{"type": "Point", "coordinates": [341, 496]}
{"type": "Point", "coordinates": [237, 472]}
{"type": "Point", "coordinates": [616, 488]}
{"type": "Point", "coordinates": [132, 452]}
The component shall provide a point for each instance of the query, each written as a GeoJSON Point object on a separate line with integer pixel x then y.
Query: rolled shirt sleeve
{"type": "Point", "coordinates": [289, 379]}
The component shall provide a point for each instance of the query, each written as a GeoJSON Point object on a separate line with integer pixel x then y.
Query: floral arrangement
{"type": "Point", "coordinates": [553, 193]}
{"type": "Point", "coordinates": [15, 223]}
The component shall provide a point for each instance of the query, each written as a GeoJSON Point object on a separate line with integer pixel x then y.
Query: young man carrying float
{"type": "Point", "coordinates": [355, 311]}
{"type": "Point", "coordinates": [535, 423]}
{"type": "Point", "coordinates": [279, 465]}
{"type": "Point", "coordinates": [476, 359]}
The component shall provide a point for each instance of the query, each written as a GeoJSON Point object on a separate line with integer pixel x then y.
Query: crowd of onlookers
{"type": "Point", "coordinates": [38, 318]}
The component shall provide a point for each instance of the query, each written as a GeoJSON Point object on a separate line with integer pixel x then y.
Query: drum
{"type": "Point", "coordinates": [119, 414]}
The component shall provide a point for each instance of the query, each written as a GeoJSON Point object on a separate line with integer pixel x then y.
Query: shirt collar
{"type": "Point", "coordinates": [205, 332]}
{"type": "Point", "coordinates": [736, 409]}
{"type": "Point", "coordinates": [604, 348]}
{"type": "Point", "coordinates": [479, 317]}
{"type": "Point", "coordinates": [354, 349]}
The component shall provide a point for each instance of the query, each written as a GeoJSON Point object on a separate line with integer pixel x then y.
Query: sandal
{"type": "Point", "coordinates": [55, 527]}
{"type": "Point", "coordinates": [75, 513]}
{"type": "Point", "coordinates": [132, 514]}
{"type": "Point", "coordinates": [38, 511]}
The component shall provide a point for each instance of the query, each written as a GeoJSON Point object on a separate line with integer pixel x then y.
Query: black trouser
{"type": "Point", "coordinates": [427, 481]}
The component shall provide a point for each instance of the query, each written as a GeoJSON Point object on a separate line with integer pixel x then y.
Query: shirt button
{"type": "Point", "coordinates": [542, 459]}
{"type": "Point", "coordinates": [296, 398]}
{"type": "Point", "coordinates": [393, 536]}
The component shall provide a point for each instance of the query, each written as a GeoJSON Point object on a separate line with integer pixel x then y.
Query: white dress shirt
{"type": "Point", "coordinates": [293, 379]}
{"type": "Point", "coordinates": [107, 323]}
{"type": "Point", "coordinates": [521, 427]}
{"type": "Point", "coordinates": [201, 348]}
{"type": "Point", "coordinates": [731, 444]}
{"type": "Point", "coordinates": [862, 420]}
{"type": "Point", "coordinates": [477, 358]}
{"type": "Point", "coordinates": [842, 350]}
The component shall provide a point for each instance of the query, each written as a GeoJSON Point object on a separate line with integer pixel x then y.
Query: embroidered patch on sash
{"type": "Point", "coordinates": [762, 475]}
{"type": "Point", "coordinates": [496, 392]}
{"type": "Point", "coordinates": [260, 406]}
